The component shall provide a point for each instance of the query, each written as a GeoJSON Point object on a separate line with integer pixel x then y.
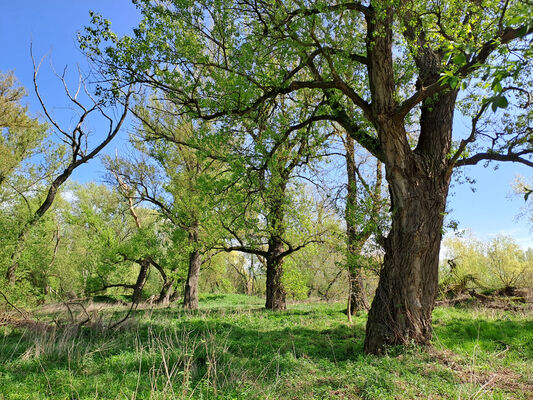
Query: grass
{"type": "Point", "coordinates": [232, 349]}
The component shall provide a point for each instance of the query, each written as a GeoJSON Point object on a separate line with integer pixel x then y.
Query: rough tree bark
{"type": "Point", "coordinates": [275, 292]}
{"type": "Point", "coordinates": [190, 300]}
{"type": "Point", "coordinates": [141, 280]}
{"type": "Point", "coordinates": [419, 181]}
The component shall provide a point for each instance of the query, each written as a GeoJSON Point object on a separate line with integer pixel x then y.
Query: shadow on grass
{"type": "Point", "coordinates": [259, 344]}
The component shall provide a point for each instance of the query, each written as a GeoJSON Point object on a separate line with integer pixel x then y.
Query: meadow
{"type": "Point", "coordinates": [231, 348]}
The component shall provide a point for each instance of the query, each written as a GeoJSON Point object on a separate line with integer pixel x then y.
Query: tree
{"type": "Point", "coordinates": [21, 135]}
{"type": "Point", "coordinates": [364, 217]}
{"type": "Point", "coordinates": [496, 264]}
{"type": "Point", "coordinates": [507, 265]}
{"type": "Point", "coordinates": [174, 177]}
{"type": "Point", "coordinates": [399, 65]}
{"type": "Point", "coordinates": [78, 150]}
{"type": "Point", "coordinates": [122, 242]}
{"type": "Point", "coordinates": [268, 157]}
{"type": "Point", "coordinates": [466, 265]}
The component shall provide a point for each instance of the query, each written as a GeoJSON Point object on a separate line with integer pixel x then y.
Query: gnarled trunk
{"type": "Point", "coordinates": [165, 293]}
{"type": "Point", "coordinates": [418, 183]}
{"type": "Point", "coordinates": [190, 300]}
{"type": "Point", "coordinates": [404, 300]}
{"type": "Point", "coordinates": [275, 292]}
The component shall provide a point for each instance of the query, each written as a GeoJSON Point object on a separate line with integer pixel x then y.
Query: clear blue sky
{"type": "Point", "coordinates": [52, 26]}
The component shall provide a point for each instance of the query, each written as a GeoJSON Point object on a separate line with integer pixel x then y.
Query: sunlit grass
{"type": "Point", "coordinates": [233, 349]}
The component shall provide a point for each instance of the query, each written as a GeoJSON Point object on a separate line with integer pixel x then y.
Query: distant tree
{"type": "Point", "coordinates": [497, 264]}
{"type": "Point", "coordinates": [268, 160]}
{"type": "Point", "coordinates": [176, 179]}
{"type": "Point", "coordinates": [507, 264]}
{"type": "Point", "coordinates": [21, 135]}
{"type": "Point", "coordinates": [364, 216]}
{"type": "Point", "coordinates": [122, 241]}
{"type": "Point", "coordinates": [465, 265]}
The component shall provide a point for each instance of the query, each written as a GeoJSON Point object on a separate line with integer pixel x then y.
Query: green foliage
{"type": "Point", "coordinates": [497, 264]}
{"type": "Point", "coordinates": [21, 136]}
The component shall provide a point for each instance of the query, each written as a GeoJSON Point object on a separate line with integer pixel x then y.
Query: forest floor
{"type": "Point", "coordinates": [233, 349]}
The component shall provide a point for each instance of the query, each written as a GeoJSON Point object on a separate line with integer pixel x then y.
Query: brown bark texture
{"type": "Point", "coordinates": [275, 292]}
{"type": "Point", "coordinates": [141, 280]}
{"type": "Point", "coordinates": [418, 182]}
{"type": "Point", "coordinates": [190, 299]}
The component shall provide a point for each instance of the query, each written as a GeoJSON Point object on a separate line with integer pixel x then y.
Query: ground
{"type": "Point", "coordinates": [233, 349]}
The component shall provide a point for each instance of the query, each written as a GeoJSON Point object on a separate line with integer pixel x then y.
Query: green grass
{"type": "Point", "coordinates": [233, 349]}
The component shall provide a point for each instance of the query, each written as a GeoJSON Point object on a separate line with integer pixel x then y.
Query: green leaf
{"type": "Point", "coordinates": [459, 59]}
{"type": "Point", "coordinates": [499, 102]}
{"type": "Point", "coordinates": [454, 81]}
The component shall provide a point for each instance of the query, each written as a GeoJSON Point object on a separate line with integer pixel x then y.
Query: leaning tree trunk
{"type": "Point", "coordinates": [166, 292]}
{"type": "Point", "coordinates": [190, 300]}
{"type": "Point", "coordinates": [275, 292]}
{"type": "Point", "coordinates": [141, 281]}
{"type": "Point", "coordinates": [35, 218]}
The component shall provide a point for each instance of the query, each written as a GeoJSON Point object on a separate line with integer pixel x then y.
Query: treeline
{"type": "Point", "coordinates": [239, 109]}
{"type": "Point", "coordinates": [188, 211]}
{"type": "Point", "coordinates": [498, 266]}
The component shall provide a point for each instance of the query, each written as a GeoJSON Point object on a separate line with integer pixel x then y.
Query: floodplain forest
{"type": "Point", "coordinates": [272, 221]}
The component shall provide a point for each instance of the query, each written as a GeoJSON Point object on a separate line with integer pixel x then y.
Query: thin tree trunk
{"type": "Point", "coordinates": [357, 301]}
{"type": "Point", "coordinates": [190, 300]}
{"type": "Point", "coordinates": [141, 281]}
{"type": "Point", "coordinates": [355, 241]}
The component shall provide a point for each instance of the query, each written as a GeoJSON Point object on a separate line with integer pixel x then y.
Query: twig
{"type": "Point", "coordinates": [125, 317]}
{"type": "Point", "coordinates": [25, 316]}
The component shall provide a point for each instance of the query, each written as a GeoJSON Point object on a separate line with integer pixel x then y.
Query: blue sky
{"type": "Point", "coordinates": [52, 26]}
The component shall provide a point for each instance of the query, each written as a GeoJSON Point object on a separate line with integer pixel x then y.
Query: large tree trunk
{"type": "Point", "coordinates": [190, 300]}
{"type": "Point", "coordinates": [404, 300]}
{"type": "Point", "coordinates": [275, 292]}
{"type": "Point", "coordinates": [418, 182]}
